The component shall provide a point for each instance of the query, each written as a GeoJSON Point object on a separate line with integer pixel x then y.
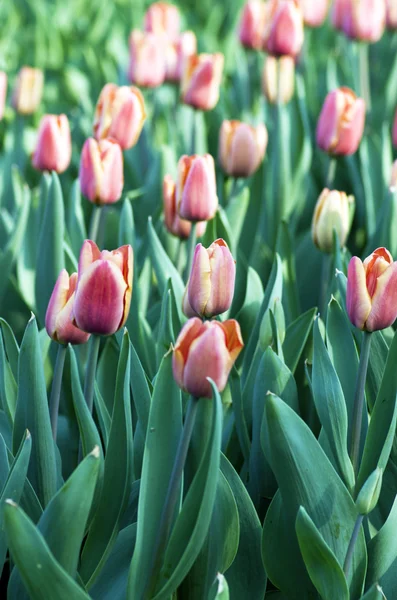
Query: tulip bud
{"type": "Point", "coordinates": [196, 198]}
{"type": "Point", "coordinates": [362, 20]}
{"type": "Point", "coordinates": [278, 72]}
{"type": "Point", "coordinates": [101, 171]}
{"type": "Point", "coordinates": [241, 147]}
{"type": "Point", "coordinates": [252, 24]}
{"type": "Point", "coordinates": [371, 296]}
{"type": "Point", "coordinates": [394, 132]}
{"type": "Point", "coordinates": [162, 18]}
{"type": "Point", "coordinates": [104, 288]}
{"type": "Point", "coordinates": [201, 80]}
{"type": "Point", "coordinates": [369, 494]}
{"type": "Point", "coordinates": [28, 90]}
{"type": "Point", "coordinates": [283, 28]}
{"type": "Point", "coordinates": [337, 13]}
{"type": "Point", "coordinates": [3, 93]}
{"type": "Point", "coordinates": [341, 122]}
{"type": "Point", "coordinates": [147, 63]}
{"type": "Point", "coordinates": [175, 225]}
{"type": "Point", "coordinates": [205, 350]}
{"type": "Point", "coordinates": [332, 212]}
{"type": "Point", "coordinates": [54, 145]}
{"type": "Point", "coordinates": [314, 12]}
{"type": "Point", "coordinates": [120, 115]}
{"type": "Point", "coordinates": [391, 14]}
{"type": "Point", "coordinates": [58, 316]}
{"type": "Point", "coordinates": [393, 177]}
{"type": "Point", "coordinates": [210, 288]}
{"type": "Point", "coordinates": [177, 52]}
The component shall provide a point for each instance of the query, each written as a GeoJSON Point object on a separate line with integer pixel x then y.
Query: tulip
{"type": "Point", "coordinates": [28, 90]}
{"type": "Point", "coordinates": [362, 20]}
{"type": "Point", "coordinates": [371, 297]}
{"type": "Point", "coordinates": [394, 133]}
{"type": "Point", "coordinates": [332, 212]}
{"type": "Point", "coordinates": [314, 12]}
{"type": "Point", "coordinates": [3, 93]}
{"type": "Point", "coordinates": [205, 350]}
{"type": "Point", "coordinates": [162, 18]}
{"type": "Point", "coordinates": [393, 177]}
{"type": "Point", "coordinates": [201, 80]}
{"type": "Point", "coordinates": [147, 63]}
{"type": "Point", "coordinates": [339, 7]}
{"type": "Point", "coordinates": [195, 192]}
{"type": "Point", "coordinates": [104, 288]}
{"type": "Point", "coordinates": [241, 147]}
{"type": "Point", "coordinates": [175, 225]}
{"type": "Point", "coordinates": [391, 14]}
{"type": "Point", "coordinates": [283, 28]}
{"type": "Point", "coordinates": [101, 171]}
{"type": "Point", "coordinates": [341, 123]}
{"type": "Point", "coordinates": [252, 24]}
{"type": "Point", "coordinates": [278, 72]}
{"type": "Point", "coordinates": [177, 52]}
{"type": "Point", "coordinates": [54, 145]}
{"type": "Point", "coordinates": [211, 284]}
{"type": "Point", "coordinates": [120, 115]}
{"type": "Point", "coordinates": [58, 316]}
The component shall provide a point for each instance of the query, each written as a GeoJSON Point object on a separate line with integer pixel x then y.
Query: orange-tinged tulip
{"type": "Point", "coordinates": [283, 34]}
{"type": "Point", "coordinates": [147, 59]}
{"type": "Point", "coordinates": [278, 72]}
{"type": "Point", "coordinates": [54, 145]}
{"type": "Point", "coordinates": [242, 147]}
{"type": "Point", "coordinates": [173, 222]}
{"type": "Point", "coordinates": [58, 321]}
{"type": "Point", "coordinates": [371, 296]}
{"type": "Point", "coordinates": [252, 24]}
{"type": "Point", "coordinates": [196, 198]}
{"type": "Point", "coordinates": [3, 93]}
{"type": "Point", "coordinates": [201, 80]}
{"type": "Point", "coordinates": [101, 171]}
{"type": "Point", "coordinates": [332, 212]}
{"type": "Point", "coordinates": [177, 52]}
{"type": "Point", "coordinates": [162, 18]}
{"type": "Point", "coordinates": [205, 350]}
{"type": "Point", "coordinates": [314, 12]}
{"type": "Point", "coordinates": [119, 114]}
{"type": "Point", "coordinates": [28, 90]}
{"type": "Point", "coordinates": [104, 288]}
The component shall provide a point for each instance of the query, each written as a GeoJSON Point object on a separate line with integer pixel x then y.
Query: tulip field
{"type": "Point", "coordinates": [198, 300]}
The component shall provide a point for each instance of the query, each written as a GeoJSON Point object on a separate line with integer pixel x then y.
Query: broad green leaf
{"type": "Point", "coordinates": [8, 385]}
{"type": "Point", "coordinates": [382, 556]}
{"type": "Point", "coordinates": [126, 227]}
{"type": "Point", "coordinates": [296, 338]}
{"type": "Point", "coordinates": [75, 219]}
{"type": "Point", "coordinates": [140, 389]}
{"type": "Point", "coordinates": [284, 248]}
{"type": "Point", "coordinates": [374, 593]}
{"type": "Point", "coordinates": [236, 210]}
{"type": "Point", "coordinates": [11, 346]}
{"type": "Point", "coordinates": [251, 304]}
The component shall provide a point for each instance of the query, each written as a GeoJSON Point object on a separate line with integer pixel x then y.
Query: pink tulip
{"type": "Point", "coordinates": [104, 288]}
{"type": "Point", "coordinates": [177, 52]}
{"type": "Point", "coordinates": [120, 115]}
{"type": "Point", "coordinates": [3, 93]}
{"type": "Point", "coordinates": [393, 177]}
{"type": "Point", "coordinates": [162, 18]}
{"type": "Point", "coordinates": [252, 24]}
{"type": "Point", "coordinates": [341, 123]}
{"type": "Point", "coordinates": [391, 14]}
{"type": "Point", "coordinates": [314, 12]}
{"type": "Point", "coordinates": [196, 198]}
{"type": "Point", "coordinates": [28, 90]}
{"type": "Point", "coordinates": [101, 171]}
{"type": "Point", "coordinates": [339, 7]}
{"type": "Point", "coordinates": [282, 69]}
{"type": "Point", "coordinates": [58, 316]}
{"type": "Point", "coordinates": [332, 213]}
{"type": "Point", "coordinates": [205, 350]}
{"type": "Point", "coordinates": [241, 147]}
{"type": "Point", "coordinates": [201, 80]}
{"type": "Point", "coordinates": [371, 297]}
{"type": "Point", "coordinates": [362, 20]}
{"type": "Point", "coordinates": [210, 288]}
{"type": "Point", "coordinates": [54, 145]}
{"type": "Point", "coordinates": [394, 132]}
{"type": "Point", "coordinates": [147, 61]}
{"type": "Point", "coordinates": [283, 34]}
{"type": "Point", "coordinates": [175, 225]}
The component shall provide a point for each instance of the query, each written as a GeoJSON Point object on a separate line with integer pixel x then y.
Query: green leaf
{"type": "Point", "coordinates": [296, 338]}
{"type": "Point", "coordinates": [251, 305]}
{"type": "Point", "coordinates": [75, 219]}
{"type": "Point", "coordinates": [41, 574]}
{"type": "Point", "coordinates": [32, 414]}
{"type": "Point", "coordinates": [11, 346]}
{"type": "Point", "coordinates": [374, 593]}
{"type": "Point", "coordinates": [321, 563]}
{"type": "Point", "coordinates": [140, 390]}
{"type": "Point", "coordinates": [284, 247]}
{"type": "Point", "coordinates": [8, 385]}
{"type": "Point", "coordinates": [127, 227]}
{"type": "Point", "coordinates": [382, 556]}
{"type": "Point", "coordinates": [236, 210]}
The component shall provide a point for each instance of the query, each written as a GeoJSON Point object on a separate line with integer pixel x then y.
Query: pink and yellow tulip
{"type": "Point", "coordinates": [195, 192]}
{"type": "Point", "coordinates": [391, 14]}
{"type": "Point", "coordinates": [177, 52]}
{"type": "Point", "coordinates": [242, 147]}
{"type": "Point", "coordinates": [147, 66]}
{"type": "Point", "coordinates": [28, 90]}
{"type": "Point", "coordinates": [201, 80]}
{"type": "Point", "coordinates": [332, 212]}
{"type": "Point", "coordinates": [173, 222]}
{"type": "Point", "coordinates": [278, 72]}
{"type": "Point", "coordinates": [252, 24]}
{"type": "Point", "coordinates": [162, 18]}
{"type": "Point", "coordinates": [54, 145]}
{"type": "Point", "coordinates": [362, 20]}
{"type": "Point", "coordinates": [101, 171]}
{"type": "Point", "coordinates": [314, 12]}
{"type": "Point", "coordinates": [283, 33]}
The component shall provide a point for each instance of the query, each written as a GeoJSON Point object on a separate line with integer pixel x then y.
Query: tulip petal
{"type": "Point", "coordinates": [358, 300]}
{"type": "Point", "coordinates": [384, 301]}
{"type": "Point", "coordinates": [223, 275]}
{"type": "Point", "coordinates": [188, 333]}
{"type": "Point", "coordinates": [234, 341]}
{"type": "Point", "coordinates": [88, 254]}
{"type": "Point", "coordinates": [66, 332]}
{"type": "Point", "coordinates": [199, 201]}
{"type": "Point", "coordinates": [199, 286]}
{"type": "Point", "coordinates": [57, 301]}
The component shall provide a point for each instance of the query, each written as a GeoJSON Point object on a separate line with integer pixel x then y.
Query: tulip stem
{"type": "Point", "coordinates": [172, 495]}
{"type": "Point", "coordinates": [352, 544]}
{"type": "Point", "coordinates": [190, 250]}
{"type": "Point", "coordinates": [365, 86]}
{"type": "Point", "coordinates": [56, 389]}
{"type": "Point", "coordinates": [331, 173]}
{"type": "Point", "coordinates": [194, 133]}
{"type": "Point", "coordinates": [359, 401]}
{"type": "Point", "coordinates": [96, 225]}
{"type": "Point", "coordinates": [233, 189]}
{"type": "Point", "coordinates": [325, 269]}
{"type": "Point", "coordinates": [89, 381]}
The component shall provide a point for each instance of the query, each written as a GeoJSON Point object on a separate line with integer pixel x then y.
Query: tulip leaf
{"type": "Point", "coordinates": [321, 563]}
{"type": "Point", "coordinates": [140, 390]}
{"type": "Point", "coordinates": [374, 593]}
{"type": "Point", "coordinates": [296, 337]}
{"type": "Point", "coordinates": [236, 210]}
{"type": "Point", "coordinates": [104, 418]}
{"type": "Point", "coordinates": [238, 411]}
{"type": "Point", "coordinates": [165, 332]}
{"type": "Point", "coordinates": [8, 385]}
{"type": "Point", "coordinates": [11, 346]}
{"type": "Point", "coordinates": [284, 247]}
{"type": "Point", "coordinates": [382, 555]}
{"type": "Point", "coordinates": [163, 433]}
{"type": "Point", "coordinates": [75, 219]}
{"type": "Point", "coordinates": [251, 304]}
{"type": "Point", "coordinates": [41, 573]}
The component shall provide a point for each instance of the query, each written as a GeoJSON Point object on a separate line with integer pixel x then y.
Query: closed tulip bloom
{"type": "Point", "coordinates": [364, 20]}
{"type": "Point", "coordinates": [314, 12]}
{"type": "Point", "coordinates": [162, 18]}
{"type": "Point", "coordinates": [341, 123]}
{"type": "Point", "coordinates": [332, 212]}
{"type": "Point", "coordinates": [101, 171]}
{"type": "Point", "coordinates": [201, 80]}
{"type": "Point", "coordinates": [104, 288]}
{"type": "Point", "coordinates": [339, 8]}
{"type": "Point", "coordinates": [58, 321]}
{"type": "Point", "coordinates": [205, 350]}
{"type": "Point", "coordinates": [196, 198]}
{"type": "Point", "coordinates": [210, 288]}
{"type": "Point", "coordinates": [393, 177]}
{"type": "Point", "coordinates": [241, 147]}
{"type": "Point", "coordinates": [175, 225]}
{"type": "Point", "coordinates": [147, 62]}
{"type": "Point", "coordinates": [177, 52]}
{"type": "Point", "coordinates": [394, 132]}
{"type": "Point", "coordinates": [391, 14]}
{"type": "Point", "coordinates": [371, 296]}
{"type": "Point", "coordinates": [278, 71]}
{"type": "Point", "coordinates": [28, 90]}
{"type": "Point", "coordinates": [3, 93]}
{"type": "Point", "coordinates": [252, 24]}
{"type": "Point", "coordinates": [120, 114]}
{"type": "Point", "coordinates": [283, 28]}
{"type": "Point", "coordinates": [54, 145]}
